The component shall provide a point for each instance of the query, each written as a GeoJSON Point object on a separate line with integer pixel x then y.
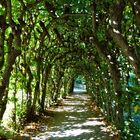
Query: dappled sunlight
{"type": "Point", "coordinates": [74, 120]}
{"type": "Point", "coordinates": [93, 123]}
{"type": "Point", "coordinates": [67, 133]}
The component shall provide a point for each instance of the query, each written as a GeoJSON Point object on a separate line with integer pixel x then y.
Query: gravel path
{"type": "Point", "coordinates": [74, 120]}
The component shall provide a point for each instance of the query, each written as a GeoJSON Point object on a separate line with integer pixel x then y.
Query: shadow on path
{"type": "Point", "coordinates": [74, 120]}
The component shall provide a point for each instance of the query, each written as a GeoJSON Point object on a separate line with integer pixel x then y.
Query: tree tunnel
{"type": "Point", "coordinates": [45, 45]}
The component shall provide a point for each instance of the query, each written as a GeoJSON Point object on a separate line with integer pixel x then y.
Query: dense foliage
{"type": "Point", "coordinates": [45, 45]}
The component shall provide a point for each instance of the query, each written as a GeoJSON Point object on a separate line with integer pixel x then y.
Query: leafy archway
{"type": "Point", "coordinates": [44, 44]}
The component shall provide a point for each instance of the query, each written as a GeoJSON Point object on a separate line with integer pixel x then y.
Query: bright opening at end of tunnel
{"type": "Point", "coordinates": [79, 84]}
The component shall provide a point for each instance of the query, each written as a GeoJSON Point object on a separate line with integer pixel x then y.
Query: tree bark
{"type": "Point", "coordinates": [46, 76]}
{"type": "Point", "coordinates": [2, 38]}
{"type": "Point", "coordinates": [6, 76]}
{"type": "Point", "coordinates": [129, 51]}
{"type": "Point", "coordinates": [116, 34]}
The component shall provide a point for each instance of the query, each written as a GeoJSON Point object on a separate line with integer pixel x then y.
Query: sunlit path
{"type": "Point", "coordinates": [74, 120]}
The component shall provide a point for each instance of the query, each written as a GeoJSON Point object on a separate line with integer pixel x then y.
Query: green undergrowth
{"type": "Point", "coordinates": [6, 133]}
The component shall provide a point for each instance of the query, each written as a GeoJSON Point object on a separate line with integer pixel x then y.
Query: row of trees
{"type": "Point", "coordinates": [44, 45]}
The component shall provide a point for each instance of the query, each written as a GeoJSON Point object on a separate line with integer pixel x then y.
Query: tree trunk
{"type": "Point", "coordinates": [6, 76]}
{"type": "Point", "coordinates": [29, 89]}
{"type": "Point", "coordinates": [115, 73]}
{"type": "Point", "coordinates": [2, 38]}
{"type": "Point", "coordinates": [3, 104]}
{"type": "Point", "coordinates": [115, 32]}
{"type": "Point", "coordinates": [37, 86]}
{"type": "Point", "coordinates": [129, 51]}
{"type": "Point", "coordinates": [46, 76]}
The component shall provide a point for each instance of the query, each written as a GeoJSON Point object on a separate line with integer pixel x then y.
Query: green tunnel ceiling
{"type": "Point", "coordinates": [45, 45]}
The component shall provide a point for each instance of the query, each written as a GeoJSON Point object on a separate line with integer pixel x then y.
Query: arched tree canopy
{"type": "Point", "coordinates": [45, 44]}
